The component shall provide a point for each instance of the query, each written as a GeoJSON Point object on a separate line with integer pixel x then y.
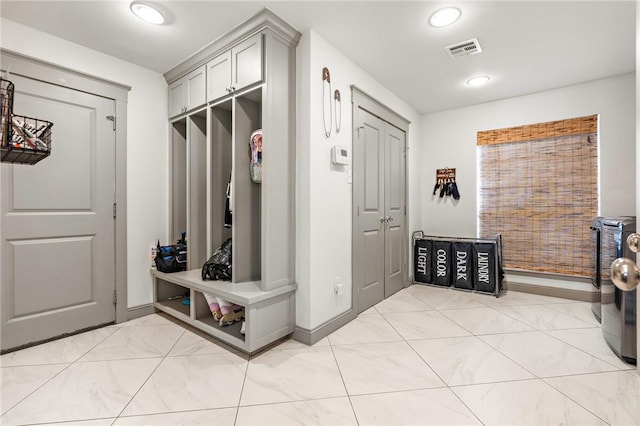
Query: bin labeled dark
{"type": "Point", "coordinates": [422, 261]}
{"type": "Point", "coordinates": [485, 276]}
{"type": "Point", "coordinates": [441, 263]}
{"type": "Point", "coordinates": [463, 265]}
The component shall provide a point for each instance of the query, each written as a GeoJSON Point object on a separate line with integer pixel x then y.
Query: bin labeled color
{"type": "Point", "coordinates": [441, 263]}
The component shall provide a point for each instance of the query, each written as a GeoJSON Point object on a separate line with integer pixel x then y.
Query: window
{"type": "Point", "coordinates": [538, 188]}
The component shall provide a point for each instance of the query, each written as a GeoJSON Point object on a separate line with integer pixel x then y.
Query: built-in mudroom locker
{"type": "Point", "coordinates": [221, 190]}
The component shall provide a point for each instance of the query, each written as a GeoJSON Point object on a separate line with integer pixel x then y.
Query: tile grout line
{"type": "Point", "coordinates": [69, 364]}
{"type": "Point", "coordinates": [150, 375]}
{"type": "Point", "coordinates": [545, 332]}
{"type": "Point", "coordinates": [244, 381]}
{"type": "Point", "coordinates": [346, 390]}
{"type": "Point", "coordinates": [435, 372]}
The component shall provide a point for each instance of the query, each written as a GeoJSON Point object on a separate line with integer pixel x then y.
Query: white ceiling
{"type": "Point", "coordinates": [528, 46]}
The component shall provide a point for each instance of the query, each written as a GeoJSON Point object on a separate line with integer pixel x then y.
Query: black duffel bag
{"type": "Point", "coordinates": [171, 258]}
{"type": "Point", "coordinates": [218, 267]}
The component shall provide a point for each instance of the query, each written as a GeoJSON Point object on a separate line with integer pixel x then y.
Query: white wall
{"type": "Point", "coordinates": [449, 139]}
{"type": "Point", "coordinates": [323, 206]}
{"type": "Point", "coordinates": [147, 140]}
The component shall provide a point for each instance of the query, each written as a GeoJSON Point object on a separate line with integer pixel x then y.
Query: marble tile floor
{"type": "Point", "coordinates": [425, 356]}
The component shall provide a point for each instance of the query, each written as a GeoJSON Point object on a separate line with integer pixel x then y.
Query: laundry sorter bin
{"type": "Point", "coordinates": [471, 264]}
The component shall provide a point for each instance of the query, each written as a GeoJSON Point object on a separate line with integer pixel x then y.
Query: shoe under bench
{"type": "Point", "coordinates": [269, 315]}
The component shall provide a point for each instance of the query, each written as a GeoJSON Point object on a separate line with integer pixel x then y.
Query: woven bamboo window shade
{"type": "Point", "coordinates": [538, 187]}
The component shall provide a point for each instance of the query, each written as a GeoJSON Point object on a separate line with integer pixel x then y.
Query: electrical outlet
{"type": "Point", "coordinates": [337, 285]}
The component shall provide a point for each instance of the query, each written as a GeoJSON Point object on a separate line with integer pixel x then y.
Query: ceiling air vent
{"type": "Point", "coordinates": [465, 48]}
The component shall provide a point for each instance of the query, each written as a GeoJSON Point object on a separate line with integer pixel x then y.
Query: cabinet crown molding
{"type": "Point", "coordinates": [265, 19]}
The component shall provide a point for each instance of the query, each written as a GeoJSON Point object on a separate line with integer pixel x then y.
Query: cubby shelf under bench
{"type": "Point", "coordinates": [269, 315]}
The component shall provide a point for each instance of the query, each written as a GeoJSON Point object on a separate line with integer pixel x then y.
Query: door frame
{"type": "Point", "coordinates": [366, 102]}
{"type": "Point", "coordinates": [28, 67]}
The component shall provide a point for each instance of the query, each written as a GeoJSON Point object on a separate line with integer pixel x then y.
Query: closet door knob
{"type": "Point", "coordinates": [228, 89]}
{"type": "Point", "coordinates": [233, 89]}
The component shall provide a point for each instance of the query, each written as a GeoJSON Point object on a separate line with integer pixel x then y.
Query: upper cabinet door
{"type": "Point", "coordinates": [188, 92]}
{"type": "Point", "coordinates": [247, 63]}
{"type": "Point", "coordinates": [219, 76]}
{"type": "Point", "coordinates": [177, 97]}
{"type": "Point", "coordinates": [196, 82]}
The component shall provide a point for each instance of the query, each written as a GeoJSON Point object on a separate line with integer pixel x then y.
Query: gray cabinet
{"type": "Point", "coordinates": [235, 69]}
{"type": "Point", "coordinates": [188, 92]}
{"type": "Point", "coordinates": [210, 146]}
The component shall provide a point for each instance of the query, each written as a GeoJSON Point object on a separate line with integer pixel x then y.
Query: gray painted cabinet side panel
{"type": "Point", "coordinates": [196, 193]}
{"type": "Point", "coordinates": [246, 194]}
{"type": "Point", "coordinates": [220, 172]}
{"type": "Point", "coordinates": [178, 178]}
{"type": "Point", "coordinates": [278, 203]}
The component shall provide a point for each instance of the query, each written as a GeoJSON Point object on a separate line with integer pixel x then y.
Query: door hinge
{"type": "Point", "coordinates": [115, 297]}
{"type": "Point", "coordinates": [112, 118]}
{"type": "Point", "coordinates": [114, 210]}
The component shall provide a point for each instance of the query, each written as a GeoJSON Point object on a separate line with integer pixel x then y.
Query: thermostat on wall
{"type": "Point", "coordinates": [340, 155]}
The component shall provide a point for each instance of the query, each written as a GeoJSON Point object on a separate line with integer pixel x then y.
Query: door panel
{"type": "Point", "coordinates": [57, 234]}
{"type": "Point", "coordinates": [370, 241]}
{"type": "Point", "coordinates": [394, 209]}
{"type": "Point", "coordinates": [56, 256]}
{"type": "Point", "coordinates": [372, 171]}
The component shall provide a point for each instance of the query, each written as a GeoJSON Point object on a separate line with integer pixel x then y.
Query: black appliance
{"type": "Point", "coordinates": [596, 270]}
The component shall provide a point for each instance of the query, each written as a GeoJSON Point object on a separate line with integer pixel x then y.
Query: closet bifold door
{"type": "Point", "coordinates": [178, 179]}
{"type": "Point", "coordinates": [196, 193]}
{"type": "Point", "coordinates": [247, 233]}
{"type": "Point", "coordinates": [220, 162]}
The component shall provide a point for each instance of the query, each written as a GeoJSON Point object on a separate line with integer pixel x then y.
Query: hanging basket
{"type": "Point", "coordinates": [6, 109]}
{"type": "Point", "coordinates": [23, 140]}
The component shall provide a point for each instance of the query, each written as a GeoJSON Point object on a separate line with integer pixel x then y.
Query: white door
{"type": "Point", "coordinates": [57, 226]}
{"type": "Point", "coordinates": [379, 194]}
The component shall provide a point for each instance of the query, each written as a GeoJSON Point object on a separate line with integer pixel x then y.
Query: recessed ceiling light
{"type": "Point", "coordinates": [147, 13]}
{"type": "Point", "coordinates": [478, 81]}
{"type": "Point", "coordinates": [444, 17]}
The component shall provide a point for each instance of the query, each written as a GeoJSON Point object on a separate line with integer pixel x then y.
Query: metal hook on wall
{"type": "Point", "coordinates": [338, 109]}
{"type": "Point", "coordinates": [326, 101]}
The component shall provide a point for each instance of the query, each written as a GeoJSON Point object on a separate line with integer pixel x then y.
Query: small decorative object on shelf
{"type": "Point", "coordinates": [23, 140]}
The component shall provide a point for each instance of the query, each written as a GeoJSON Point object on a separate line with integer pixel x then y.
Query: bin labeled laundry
{"type": "Point", "coordinates": [485, 278]}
